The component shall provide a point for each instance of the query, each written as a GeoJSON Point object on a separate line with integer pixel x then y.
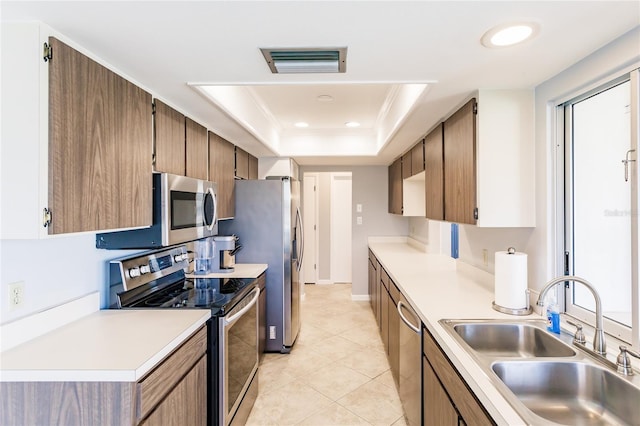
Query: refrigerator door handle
{"type": "Point", "coordinates": [301, 246]}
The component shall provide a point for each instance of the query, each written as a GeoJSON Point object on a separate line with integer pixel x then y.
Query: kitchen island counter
{"type": "Point", "coordinates": [440, 287]}
{"type": "Point", "coordinates": [119, 345]}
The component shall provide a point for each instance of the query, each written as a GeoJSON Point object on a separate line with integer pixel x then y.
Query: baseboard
{"type": "Point", "coordinates": [360, 297]}
{"type": "Point", "coordinates": [324, 282]}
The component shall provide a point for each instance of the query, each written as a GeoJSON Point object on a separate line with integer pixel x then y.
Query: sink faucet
{"type": "Point", "coordinates": [599, 343]}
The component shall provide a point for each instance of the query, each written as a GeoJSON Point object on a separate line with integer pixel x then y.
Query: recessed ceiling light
{"type": "Point", "coordinates": [352, 124]}
{"type": "Point", "coordinates": [325, 98]}
{"type": "Point", "coordinates": [509, 34]}
{"type": "Point", "coordinates": [301, 124]}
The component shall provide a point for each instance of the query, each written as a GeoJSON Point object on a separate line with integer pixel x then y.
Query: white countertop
{"type": "Point", "coordinates": [241, 270]}
{"type": "Point", "coordinates": [119, 345]}
{"type": "Point", "coordinates": [439, 287]}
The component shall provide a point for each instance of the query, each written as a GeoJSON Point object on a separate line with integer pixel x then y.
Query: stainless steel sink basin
{"type": "Point", "coordinates": [516, 339]}
{"type": "Point", "coordinates": [571, 393]}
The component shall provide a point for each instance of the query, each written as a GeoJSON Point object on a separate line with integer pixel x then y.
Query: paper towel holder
{"type": "Point", "coordinates": [521, 311]}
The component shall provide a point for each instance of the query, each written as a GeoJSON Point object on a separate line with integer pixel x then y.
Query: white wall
{"type": "Point", "coordinates": [55, 271]}
{"type": "Point", "coordinates": [369, 188]}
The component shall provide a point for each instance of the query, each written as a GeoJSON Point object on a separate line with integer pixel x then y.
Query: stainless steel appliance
{"type": "Point", "coordinates": [409, 386]}
{"type": "Point", "coordinates": [269, 224]}
{"type": "Point", "coordinates": [226, 247]}
{"type": "Point", "coordinates": [157, 280]}
{"type": "Point", "coordinates": [184, 209]}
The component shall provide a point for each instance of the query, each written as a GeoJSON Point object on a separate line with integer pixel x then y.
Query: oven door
{"type": "Point", "coordinates": [238, 349]}
{"type": "Point", "coordinates": [189, 209]}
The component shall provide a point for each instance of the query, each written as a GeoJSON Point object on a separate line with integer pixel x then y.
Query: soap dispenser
{"type": "Point", "coordinates": [553, 315]}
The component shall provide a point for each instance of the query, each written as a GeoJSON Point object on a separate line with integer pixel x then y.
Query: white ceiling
{"type": "Point", "coordinates": [408, 63]}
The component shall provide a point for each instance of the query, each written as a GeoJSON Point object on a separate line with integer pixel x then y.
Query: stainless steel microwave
{"type": "Point", "coordinates": [184, 209]}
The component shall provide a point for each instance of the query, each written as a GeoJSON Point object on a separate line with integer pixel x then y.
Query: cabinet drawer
{"type": "Point", "coordinates": [153, 388]}
{"type": "Point", "coordinates": [469, 408]}
{"type": "Point", "coordinates": [394, 292]}
{"type": "Point", "coordinates": [384, 277]}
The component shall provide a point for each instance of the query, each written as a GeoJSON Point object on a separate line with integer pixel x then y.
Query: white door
{"type": "Point", "coordinates": [341, 227]}
{"type": "Point", "coordinates": [309, 212]}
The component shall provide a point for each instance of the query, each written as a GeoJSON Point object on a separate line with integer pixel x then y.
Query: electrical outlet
{"type": "Point", "coordinates": [272, 332]}
{"type": "Point", "coordinates": [16, 295]}
{"type": "Point", "coordinates": [485, 257]}
{"type": "Point", "coordinates": [359, 220]}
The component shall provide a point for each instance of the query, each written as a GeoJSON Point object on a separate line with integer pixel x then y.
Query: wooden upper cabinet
{"type": "Point", "coordinates": [395, 187]}
{"type": "Point", "coordinates": [406, 165]}
{"type": "Point", "coordinates": [221, 171]}
{"type": "Point", "coordinates": [242, 163]}
{"type": "Point", "coordinates": [253, 167]}
{"type": "Point", "coordinates": [169, 126]}
{"type": "Point", "coordinates": [434, 174]}
{"type": "Point", "coordinates": [197, 150]}
{"type": "Point", "coordinates": [417, 158]}
{"type": "Point", "coordinates": [460, 165]}
{"type": "Point", "coordinates": [100, 146]}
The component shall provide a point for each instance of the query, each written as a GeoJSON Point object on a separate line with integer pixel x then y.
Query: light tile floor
{"type": "Point", "coordinates": [337, 372]}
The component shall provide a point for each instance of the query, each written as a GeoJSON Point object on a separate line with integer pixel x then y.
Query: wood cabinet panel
{"type": "Point", "coordinates": [159, 382]}
{"type": "Point", "coordinates": [460, 165]}
{"type": "Point", "coordinates": [437, 408]}
{"type": "Point", "coordinates": [406, 165]}
{"type": "Point", "coordinates": [253, 167]}
{"type": "Point", "coordinates": [100, 146]}
{"type": "Point", "coordinates": [187, 402]}
{"type": "Point", "coordinates": [71, 403]}
{"type": "Point", "coordinates": [394, 332]}
{"type": "Point", "coordinates": [197, 150]}
{"type": "Point", "coordinates": [384, 310]}
{"type": "Point", "coordinates": [417, 158]}
{"type": "Point", "coordinates": [242, 163]}
{"type": "Point", "coordinates": [395, 187]}
{"type": "Point", "coordinates": [469, 408]}
{"type": "Point", "coordinates": [221, 171]}
{"type": "Point", "coordinates": [434, 174]}
{"type": "Point", "coordinates": [170, 152]}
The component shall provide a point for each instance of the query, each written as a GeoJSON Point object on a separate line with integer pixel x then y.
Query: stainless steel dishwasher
{"type": "Point", "coordinates": [410, 363]}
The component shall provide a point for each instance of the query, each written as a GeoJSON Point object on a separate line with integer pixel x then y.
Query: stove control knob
{"type": "Point", "coordinates": [145, 269]}
{"type": "Point", "coordinates": [180, 257]}
{"type": "Point", "coordinates": [134, 272]}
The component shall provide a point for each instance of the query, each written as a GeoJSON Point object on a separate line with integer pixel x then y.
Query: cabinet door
{"type": "Point", "coordinates": [394, 333]}
{"type": "Point", "coordinates": [437, 407]}
{"type": "Point", "coordinates": [406, 165]}
{"type": "Point", "coordinates": [197, 146]}
{"type": "Point", "coordinates": [253, 167]}
{"type": "Point", "coordinates": [460, 165]}
{"type": "Point", "coordinates": [100, 146]}
{"type": "Point", "coordinates": [395, 187]}
{"type": "Point", "coordinates": [434, 174]}
{"type": "Point", "coordinates": [417, 158]}
{"type": "Point", "coordinates": [242, 163]}
{"type": "Point", "coordinates": [186, 404]}
{"type": "Point", "coordinates": [221, 163]}
{"type": "Point", "coordinates": [169, 126]}
{"type": "Point", "coordinates": [384, 310]}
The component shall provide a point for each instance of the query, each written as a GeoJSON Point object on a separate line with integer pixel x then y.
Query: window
{"type": "Point", "coordinates": [600, 190]}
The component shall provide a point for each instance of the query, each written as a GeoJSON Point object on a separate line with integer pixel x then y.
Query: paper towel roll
{"type": "Point", "coordinates": [511, 280]}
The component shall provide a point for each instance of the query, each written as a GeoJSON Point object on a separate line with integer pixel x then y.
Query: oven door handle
{"type": "Point", "coordinates": [234, 317]}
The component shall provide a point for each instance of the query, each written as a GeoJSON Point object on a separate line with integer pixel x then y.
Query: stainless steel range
{"type": "Point", "coordinates": [157, 280]}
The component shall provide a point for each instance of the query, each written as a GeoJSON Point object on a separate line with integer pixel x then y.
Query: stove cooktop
{"type": "Point", "coordinates": [217, 294]}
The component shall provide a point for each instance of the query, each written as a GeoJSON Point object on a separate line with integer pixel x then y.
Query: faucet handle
{"type": "Point", "coordinates": [624, 362]}
{"type": "Point", "coordinates": [578, 337]}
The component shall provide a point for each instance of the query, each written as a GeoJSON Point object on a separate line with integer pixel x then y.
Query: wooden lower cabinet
{"type": "Point", "coordinates": [461, 397]}
{"type": "Point", "coordinates": [436, 406]}
{"type": "Point", "coordinates": [175, 392]}
{"type": "Point", "coordinates": [394, 332]}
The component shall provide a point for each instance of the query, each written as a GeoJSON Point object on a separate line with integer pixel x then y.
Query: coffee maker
{"type": "Point", "coordinates": [225, 249]}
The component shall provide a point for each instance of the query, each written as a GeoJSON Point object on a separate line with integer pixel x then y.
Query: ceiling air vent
{"type": "Point", "coordinates": [306, 60]}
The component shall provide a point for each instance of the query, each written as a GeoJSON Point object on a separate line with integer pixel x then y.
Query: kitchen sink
{"type": "Point", "coordinates": [519, 339]}
{"type": "Point", "coordinates": [571, 393]}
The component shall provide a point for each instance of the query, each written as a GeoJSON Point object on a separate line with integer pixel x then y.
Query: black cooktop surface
{"type": "Point", "coordinates": [217, 294]}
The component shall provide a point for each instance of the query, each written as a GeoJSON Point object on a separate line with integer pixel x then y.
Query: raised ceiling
{"type": "Point", "coordinates": [408, 63]}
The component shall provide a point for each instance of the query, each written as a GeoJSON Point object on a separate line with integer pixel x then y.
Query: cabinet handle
{"type": "Point", "coordinates": [405, 320]}
{"type": "Point", "coordinates": [46, 217]}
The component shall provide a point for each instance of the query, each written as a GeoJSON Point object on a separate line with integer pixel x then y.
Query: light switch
{"type": "Point", "coordinates": [359, 220]}
{"type": "Point", "coordinates": [359, 208]}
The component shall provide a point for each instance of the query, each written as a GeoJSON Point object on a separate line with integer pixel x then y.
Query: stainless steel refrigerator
{"type": "Point", "coordinates": [269, 224]}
